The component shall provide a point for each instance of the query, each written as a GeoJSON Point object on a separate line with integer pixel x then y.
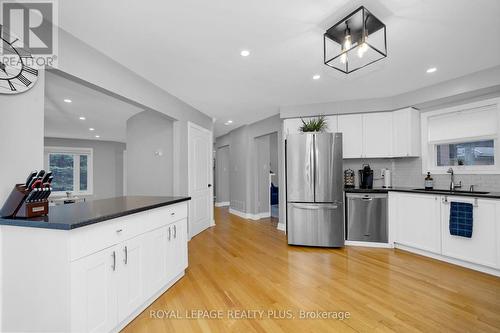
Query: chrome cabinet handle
{"type": "Point", "coordinates": [114, 261]}
{"type": "Point", "coordinates": [367, 199]}
{"type": "Point", "coordinates": [169, 233]}
{"type": "Point", "coordinates": [175, 231]}
{"type": "Point", "coordinates": [119, 230]}
{"type": "Point", "coordinates": [126, 255]}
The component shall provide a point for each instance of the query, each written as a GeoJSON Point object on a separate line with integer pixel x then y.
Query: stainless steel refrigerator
{"type": "Point", "coordinates": [315, 210]}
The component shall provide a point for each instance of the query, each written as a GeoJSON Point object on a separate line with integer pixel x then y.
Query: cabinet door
{"type": "Point", "coordinates": [351, 127]}
{"type": "Point", "coordinates": [93, 292]}
{"type": "Point", "coordinates": [481, 247]}
{"type": "Point", "coordinates": [155, 260]}
{"type": "Point", "coordinates": [176, 249]}
{"type": "Point", "coordinates": [377, 131]}
{"type": "Point", "coordinates": [418, 221]}
{"type": "Point", "coordinates": [406, 133]}
{"type": "Point", "coordinates": [130, 283]}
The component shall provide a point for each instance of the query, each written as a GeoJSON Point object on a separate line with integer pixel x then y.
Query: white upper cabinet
{"type": "Point", "coordinates": [377, 134]}
{"type": "Point", "coordinates": [406, 133]}
{"type": "Point", "coordinates": [351, 127]}
{"type": "Point", "coordinates": [374, 134]}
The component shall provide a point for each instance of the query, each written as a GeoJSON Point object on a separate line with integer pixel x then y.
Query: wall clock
{"type": "Point", "coordinates": [18, 70]}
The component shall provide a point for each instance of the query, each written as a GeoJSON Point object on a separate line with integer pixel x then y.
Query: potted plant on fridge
{"type": "Point", "coordinates": [316, 124]}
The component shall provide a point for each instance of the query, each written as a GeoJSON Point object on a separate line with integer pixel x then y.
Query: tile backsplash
{"type": "Point", "coordinates": [407, 172]}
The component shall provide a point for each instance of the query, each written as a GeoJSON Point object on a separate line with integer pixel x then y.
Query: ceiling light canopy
{"type": "Point", "coordinates": [432, 70]}
{"type": "Point", "coordinates": [67, 100]}
{"type": "Point", "coordinates": [245, 53]}
{"type": "Point", "coordinates": [354, 42]}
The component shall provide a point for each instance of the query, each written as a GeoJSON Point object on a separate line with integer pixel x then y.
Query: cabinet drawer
{"type": "Point", "coordinates": [93, 238]}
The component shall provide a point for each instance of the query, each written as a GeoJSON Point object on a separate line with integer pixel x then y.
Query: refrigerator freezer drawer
{"type": "Point", "coordinates": [314, 224]}
{"type": "Point", "coordinates": [367, 217]}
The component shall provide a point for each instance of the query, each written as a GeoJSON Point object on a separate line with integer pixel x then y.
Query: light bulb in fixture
{"type": "Point", "coordinates": [98, 136]}
{"type": "Point", "coordinates": [245, 53]}
{"type": "Point", "coordinates": [343, 57]}
{"type": "Point", "coordinates": [432, 70]}
{"type": "Point", "coordinates": [67, 100]}
{"type": "Point", "coordinates": [316, 77]}
{"type": "Point", "coordinates": [364, 46]}
{"type": "Point", "coordinates": [229, 121]}
{"type": "Point", "coordinates": [91, 129]}
{"type": "Point", "coordinates": [82, 118]}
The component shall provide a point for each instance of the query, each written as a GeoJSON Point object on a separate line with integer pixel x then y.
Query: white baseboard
{"type": "Point", "coordinates": [369, 244]}
{"type": "Point", "coordinates": [222, 204]}
{"type": "Point", "coordinates": [458, 262]}
{"type": "Point", "coordinates": [281, 226]}
{"type": "Point", "coordinates": [249, 216]}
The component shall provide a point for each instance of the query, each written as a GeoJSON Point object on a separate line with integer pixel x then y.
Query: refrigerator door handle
{"type": "Point", "coordinates": [314, 207]}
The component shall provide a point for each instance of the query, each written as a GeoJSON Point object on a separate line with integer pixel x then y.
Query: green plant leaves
{"type": "Point", "coordinates": [318, 124]}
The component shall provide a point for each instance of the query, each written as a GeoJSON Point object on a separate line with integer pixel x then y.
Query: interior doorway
{"type": "Point", "coordinates": [267, 176]}
{"type": "Point", "coordinates": [222, 187]}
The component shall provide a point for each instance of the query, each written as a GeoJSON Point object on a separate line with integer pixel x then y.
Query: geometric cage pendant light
{"type": "Point", "coordinates": [356, 41]}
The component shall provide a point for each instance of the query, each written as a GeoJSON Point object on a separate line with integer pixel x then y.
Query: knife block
{"type": "Point", "coordinates": [15, 205]}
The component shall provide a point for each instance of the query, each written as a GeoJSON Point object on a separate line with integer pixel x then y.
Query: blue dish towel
{"type": "Point", "coordinates": [461, 220]}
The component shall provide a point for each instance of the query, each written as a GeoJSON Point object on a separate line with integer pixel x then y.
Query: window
{"type": "Point", "coordinates": [71, 169]}
{"type": "Point", "coordinates": [464, 137]}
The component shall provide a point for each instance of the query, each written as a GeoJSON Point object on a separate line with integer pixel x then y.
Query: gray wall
{"type": "Point", "coordinates": [149, 132]}
{"type": "Point", "coordinates": [243, 156]}
{"type": "Point", "coordinates": [108, 164]}
{"type": "Point", "coordinates": [222, 171]}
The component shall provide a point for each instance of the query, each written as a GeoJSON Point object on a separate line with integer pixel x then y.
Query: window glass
{"type": "Point", "coordinates": [83, 172]}
{"type": "Point", "coordinates": [466, 153]}
{"type": "Point", "coordinates": [61, 166]}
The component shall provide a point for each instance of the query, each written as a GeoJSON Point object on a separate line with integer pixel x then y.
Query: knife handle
{"type": "Point", "coordinates": [47, 176]}
{"type": "Point", "coordinates": [30, 177]}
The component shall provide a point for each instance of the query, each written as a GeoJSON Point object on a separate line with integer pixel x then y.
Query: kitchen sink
{"type": "Point", "coordinates": [449, 191]}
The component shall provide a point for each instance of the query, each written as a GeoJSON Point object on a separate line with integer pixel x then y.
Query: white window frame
{"type": "Point", "coordinates": [429, 160]}
{"type": "Point", "coordinates": [77, 151]}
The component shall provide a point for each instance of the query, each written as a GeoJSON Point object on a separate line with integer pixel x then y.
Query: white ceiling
{"type": "Point", "coordinates": [107, 115]}
{"type": "Point", "coordinates": [191, 48]}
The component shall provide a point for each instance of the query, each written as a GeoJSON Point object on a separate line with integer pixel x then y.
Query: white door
{"type": "Point", "coordinates": [418, 221]}
{"type": "Point", "coordinates": [351, 127]}
{"type": "Point", "coordinates": [200, 179]}
{"type": "Point", "coordinates": [130, 284]}
{"type": "Point", "coordinates": [93, 292]}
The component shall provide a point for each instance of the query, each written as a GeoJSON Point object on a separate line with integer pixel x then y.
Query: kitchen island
{"type": "Point", "coordinates": [91, 266]}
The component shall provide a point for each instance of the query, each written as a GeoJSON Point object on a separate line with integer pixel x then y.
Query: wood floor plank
{"type": "Point", "coordinates": [247, 265]}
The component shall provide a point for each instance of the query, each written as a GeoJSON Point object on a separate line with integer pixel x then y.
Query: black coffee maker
{"type": "Point", "coordinates": [366, 177]}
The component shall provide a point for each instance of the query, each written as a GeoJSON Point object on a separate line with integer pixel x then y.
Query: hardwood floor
{"type": "Point", "coordinates": [247, 265]}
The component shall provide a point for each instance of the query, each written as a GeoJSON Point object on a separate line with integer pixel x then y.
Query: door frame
{"type": "Point", "coordinates": [191, 126]}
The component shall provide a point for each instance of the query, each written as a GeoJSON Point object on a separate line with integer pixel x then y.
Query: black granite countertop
{"type": "Point", "coordinates": [72, 216]}
{"type": "Point", "coordinates": [481, 194]}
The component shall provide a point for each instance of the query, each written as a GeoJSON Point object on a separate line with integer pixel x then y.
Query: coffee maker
{"type": "Point", "coordinates": [365, 177]}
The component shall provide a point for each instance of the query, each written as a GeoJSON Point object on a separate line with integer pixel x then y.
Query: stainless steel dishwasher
{"type": "Point", "coordinates": [367, 217]}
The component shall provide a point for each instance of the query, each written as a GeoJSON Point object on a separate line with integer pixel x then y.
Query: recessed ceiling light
{"type": "Point", "coordinates": [432, 70]}
{"type": "Point", "coordinates": [67, 100]}
{"type": "Point", "coordinates": [91, 129]}
{"type": "Point", "coordinates": [316, 77]}
{"type": "Point", "coordinates": [97, 136]}
{"type": "Point", "coordinates": [245, 53]}
{"type": "Point", "coordinates": [229, 121]}
{"type": "Point", "coordinates": [82, 118]}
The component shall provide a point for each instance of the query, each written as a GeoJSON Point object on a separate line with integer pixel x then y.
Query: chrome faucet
{"type": "Point", "coordinates": [453, 186]}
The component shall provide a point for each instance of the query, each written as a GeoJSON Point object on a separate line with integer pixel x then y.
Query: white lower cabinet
{"type": "Point", "coordinates": [421, 222]}
{"type": "Point", "coordinates": [417, 221]}
{"type": "Point", "coordinates": [94, 293]}
{"type": "Point", "coordinates": [481, 247]}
